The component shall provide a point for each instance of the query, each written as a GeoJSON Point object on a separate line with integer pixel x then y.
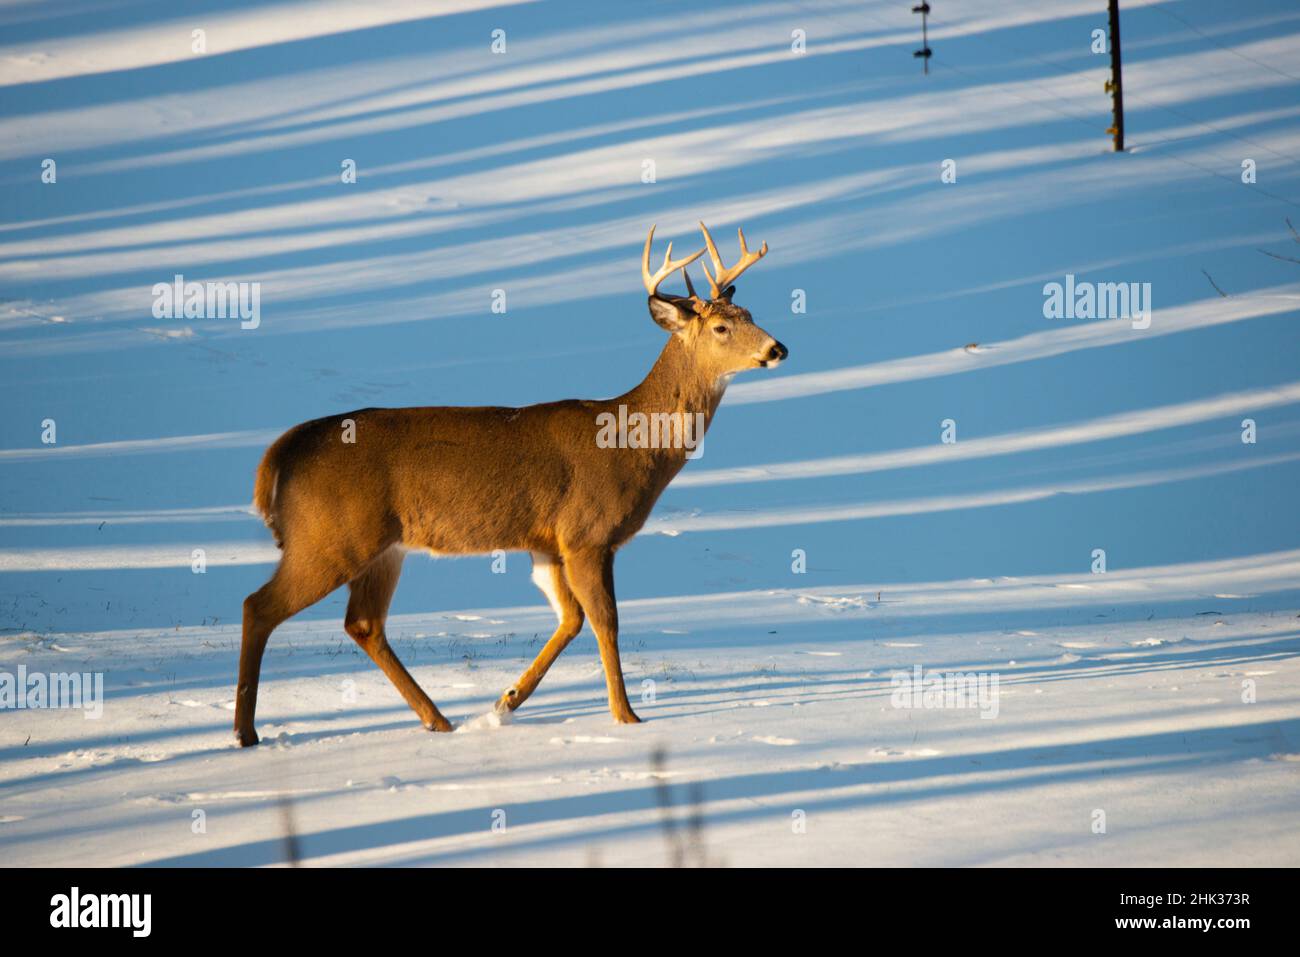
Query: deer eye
{"type": "Point", "coordinates": [720, 330]}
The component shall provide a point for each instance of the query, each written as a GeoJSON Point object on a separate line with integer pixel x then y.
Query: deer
{"type": "Point", "coordinates": [453, 480]}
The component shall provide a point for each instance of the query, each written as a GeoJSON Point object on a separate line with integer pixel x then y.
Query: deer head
{"type": "Point", "coordinates": [720, 337]}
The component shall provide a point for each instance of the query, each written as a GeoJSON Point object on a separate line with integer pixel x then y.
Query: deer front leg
{"type": "Point", "coordinates": [548, 574]}
{"type": "Point", "coordinates": [590, 575]}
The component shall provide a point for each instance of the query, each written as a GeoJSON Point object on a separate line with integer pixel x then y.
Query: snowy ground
{"type": "Point", "coordinates": [1108, 709]}
{"type": "Point", "coordinates": [1161, 696]}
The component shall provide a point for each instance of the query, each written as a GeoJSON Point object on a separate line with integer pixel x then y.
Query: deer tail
{"type": "Point", "coordinates": [266, 482]}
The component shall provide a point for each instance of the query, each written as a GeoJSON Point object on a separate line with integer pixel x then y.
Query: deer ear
{"type": "Point", "coordinates": [671, 314]}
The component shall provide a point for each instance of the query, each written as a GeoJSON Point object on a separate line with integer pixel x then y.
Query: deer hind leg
{"type": "Point", "coordinates": [300, 580]}
{"type": "Point", "coordinates": [367, 612]}
{"type": "Point", "coordinates": [590, 575]}
{"type": "Point", "coordinates": [548, 574]}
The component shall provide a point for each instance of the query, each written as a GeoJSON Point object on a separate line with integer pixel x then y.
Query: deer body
{"type": "Point", "coordinates": [470, 480]}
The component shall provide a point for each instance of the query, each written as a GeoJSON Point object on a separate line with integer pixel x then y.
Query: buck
{"type": "Point", "coordinates": [463, 480]}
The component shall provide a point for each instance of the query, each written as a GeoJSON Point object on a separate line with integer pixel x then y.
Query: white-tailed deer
{"type": "Point", "coordinates": [456, 481]}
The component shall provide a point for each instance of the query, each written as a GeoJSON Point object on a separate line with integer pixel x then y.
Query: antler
{"type": "Point", "coordinates": [725, 277]}
{"type": "Point", "coordinates": [690, 286]}
{"type": "Point", "coordinates": [652, 282]}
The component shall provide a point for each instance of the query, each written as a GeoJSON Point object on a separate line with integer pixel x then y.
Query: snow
{"type": "Point", "coordinates": [1157, 697]}
{"type": "Point", "coordinates": [1104, 710]}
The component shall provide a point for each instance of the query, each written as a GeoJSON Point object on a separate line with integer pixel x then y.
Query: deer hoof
{"type": "Point", "coordinates": [507, 702]}
{"type": "Point", "coordinates": [245, 739]}
{"type": "Point", "coordinates": [628, 718]}
{"type": "Point", "coordinates": [439, 724]}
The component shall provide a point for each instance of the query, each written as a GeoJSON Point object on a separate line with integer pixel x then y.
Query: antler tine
{"type": "Point", "coordinates": [652, 281]}
{"type": "Point", "coordinates": [717, 262]}
{"type": "Point", "coordinates": [690, 287]}
{"type": "Point", "coordinates": [725, 277]}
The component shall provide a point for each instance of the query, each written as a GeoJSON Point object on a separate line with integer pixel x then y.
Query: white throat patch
{"type": "Point", "coordinates": [720, 386]}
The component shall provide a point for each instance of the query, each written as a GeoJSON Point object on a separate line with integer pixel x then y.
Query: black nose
{"type": "Point", "coordinates": [777, 352]}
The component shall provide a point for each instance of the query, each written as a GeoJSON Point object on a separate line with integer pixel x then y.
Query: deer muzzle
{"type": "Point", "coordinates": [775, 353]}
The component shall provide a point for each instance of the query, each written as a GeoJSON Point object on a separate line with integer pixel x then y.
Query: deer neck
{"type": "Point", "coordinates": [678, 387]}
{"type": "Point", "coordinates": [676, 384]}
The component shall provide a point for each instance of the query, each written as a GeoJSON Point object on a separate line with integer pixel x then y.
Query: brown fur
{"type": "Point", "coordinates": [458, 481]}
